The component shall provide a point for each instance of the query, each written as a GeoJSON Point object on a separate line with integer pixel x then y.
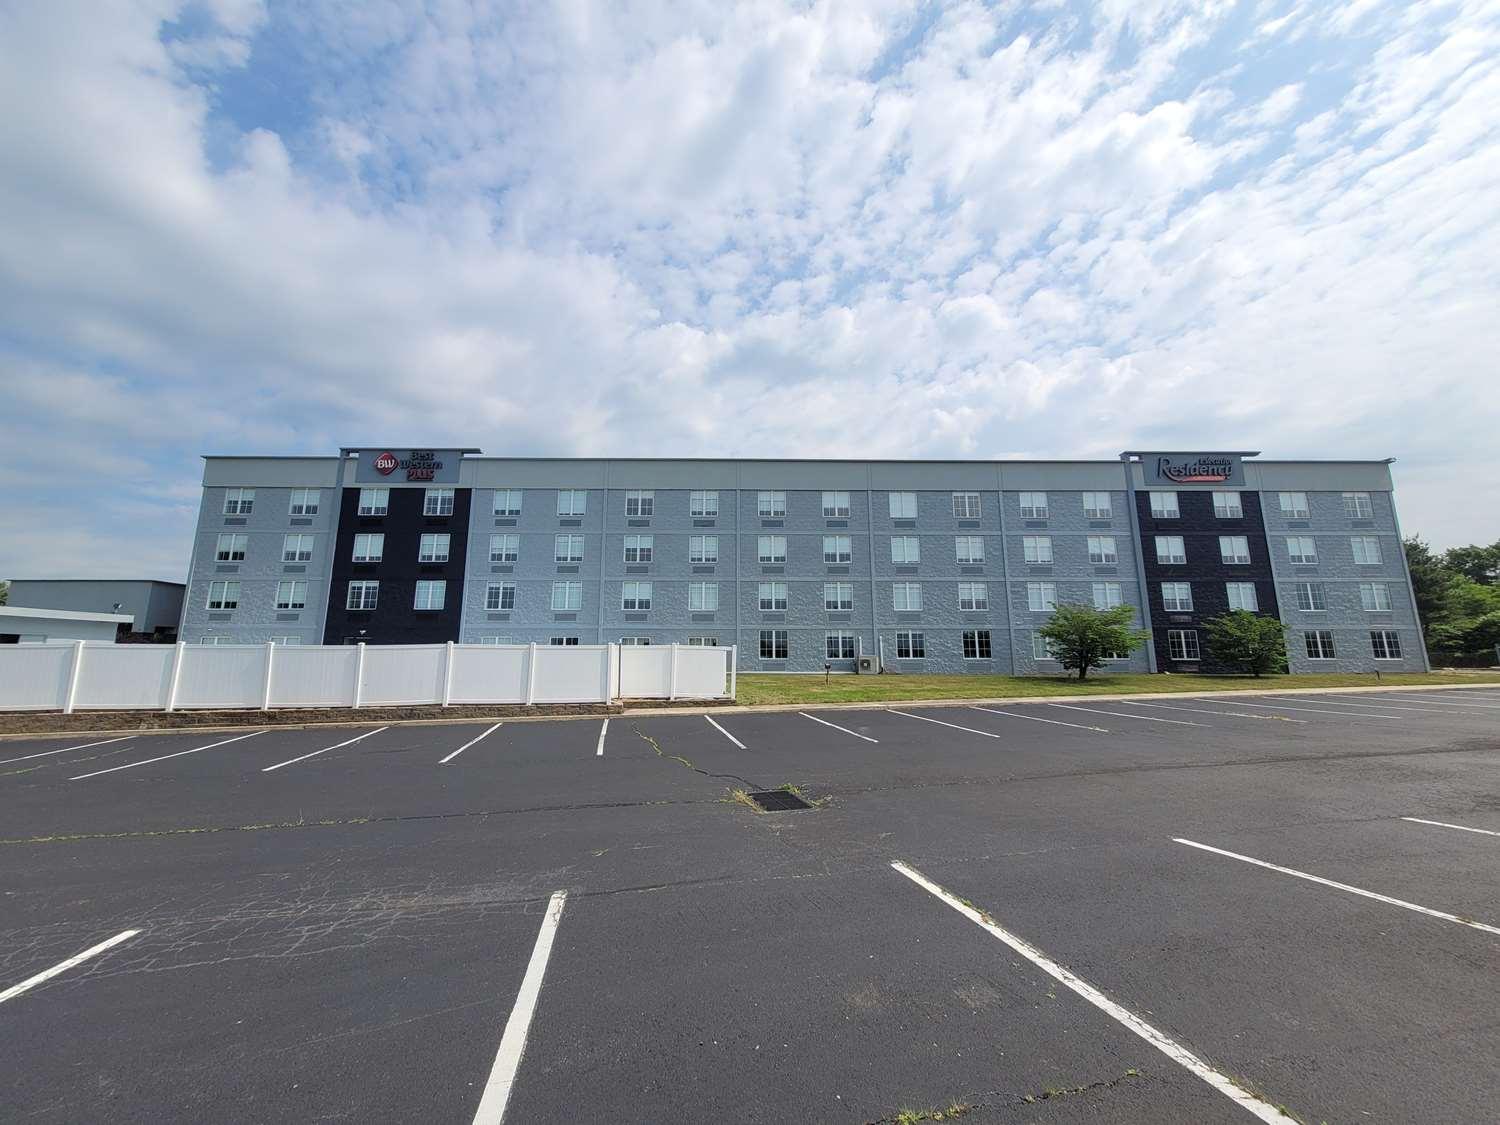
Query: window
{"type": "Point", "coordinates": [639, 548]}
{"type": "Point", "coordinates": [906, 597]}
{"type": "Point", "coordinates": [903, 505]}
{"type": "Point", "coordinates": [1319, 644]}
{"type": "Point", "coordinates": [910, 646]}
{"type": "Point", "coordinates": [572, 501]}
{"type": "Point", "coordinates": [838, 597]}
{"type": "Point", "coordinates": [223, 595]}
{"type": "Point", "coordinates": [1033, 505]}
{"type": "Point", "coordinates": [1293, 505]}
{"type": "Point", "coordinates": [635, 595]}
{"type": "Point", "coordinates": [640, 642]}
{"type": "Point", "coordinates": [297, 548]}
{"type": "Point", "coordinates": [1169, 550]}
{"type": "Point", "coordinates": [1182, 644]}
{"type": "Point", "coordinates": [966, 505]}
{"type": "Point", "coordinates": [837, 549]}
{"type": "Point", "coordinates": [771, 549]}
{"type": "Point", "coordinates": [1107, 595]}
{"type": "Point", "coordinates": [1386, 644]}
{"type": "Point", "coordinates": [286, 640]}
{"type": "Point", "coordinates": [1177, 597]}
{"type": "Point", "coordinates": [640, 504]}
{"type": "Point", "coordinates": [567, 548]}
{"type": "Point", "coordinates": [1366, 550]}
{"type": "Point", "coordinates": [362, 594]}
{"type": "Point", "coordinates": [558, 642]}
{"type": "Point", "coordinates": [1357, 507]}
{"type": "Point", "coordinates": [374, 501]}
{"type": "Point", "coordinates": [836, 505]}
{"type": "Point", "coordinates": [973, 596]}
{"type": "Point", "coordinates": [304, 502]}
{"type": "Point", "coordinates": [567, 596]}
{"type": "Point", "coordinates": [495, 640]}
{"type": "Point", "coordinates": [238, 501]}
{"type": "Point", "coordinates": [773, 644]}
{"type": "Point", "coordinates": [369, 546]}
{"type": "Point", "coordinates": [1041, 648]}
{"type": "Point", "coordinates": [505, 548]}
{"type": "Point", "coordinates": [1242, 596]}
{"type": "Point", "coordinates": [291, 594]}
{"type": "Point", "coordinates": [500, 596]}
{"type": "Point", "coordinates": [703, 503]}
{"type": "Point", "coordinates": [976, 644]}
{"type": "Point", "coordinates": [840, 646]}
{"type": "Point", "coordinates": [1096, 506]}
{"type": "Point", "coordinates": [1041, 597]}
{"type": "Point", "coordinates": [703, 548]}
{"type": "Point", "coordinates": [906, 550]}
{"type": "Point", "coordinates": [231, 548]}
{"type": "Point", "coordinates": [1302, 549]}
{"type": "Point", "coordinates": [434, 547]}
{"type": "Point", "coordinates": [773, 596]}
{"type": "Point", "coordinates": [1310, 597]}
{"type": "Point", "coordinates": [1037, 549]}
{"type": "Point", "coordinates": [437, 502]}
{"type": "Point", "coordinates": [1164, 506]}
{"type": "Point", "coordinates": [970, 549]}
{"type": "Point", "coordinates": [1374, 597]}
{"type": "Point", "coordinates": [219, 640]}
{"type": "Point", "coordinates": [770, 505]}
{"type": "Point", "coordinates": [1234, 549]}
{"type": "Point", "coordinates": [1227, 506]}
{"type": "Point", "coordinates": [507, 502]}
{"type": "Point", "coordinates": [431, 594]}
{"type": "Point", "coordinates": [703, 642]}
{"type": "Point", "coordinates": [703, 597]}
{"type": "Point", "coordinates": [1102, 550]}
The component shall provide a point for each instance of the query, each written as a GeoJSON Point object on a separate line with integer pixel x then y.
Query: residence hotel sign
{"type": "Point", "coordinates": [1194, 468]}
{"type": "Point", "coordinates": [408, 466]}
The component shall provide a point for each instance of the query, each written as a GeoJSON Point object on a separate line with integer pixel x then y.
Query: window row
{"type": "Point", "coordinates": [974, 644]}
{"type": "Point", "coordinates": [377, 502]}
{"type": "Point", "coordinates": [1302, 550]}
{"type": "Point", "coordinates": [241, 501]}
{"type": "Point", "coordinates": [1164, 505]}
{"type": "Point", "coordinates": [1311, 597]}
{"type": "Point", "coordinates": [1294, 505]}
{"type": "Point", "coordinates": [1177, 597]}
{"type": "Point", "coordinates": [1385, 644]}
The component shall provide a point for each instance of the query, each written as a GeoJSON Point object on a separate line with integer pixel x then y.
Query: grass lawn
{"type": "Point", "coordinates": [760, 688]}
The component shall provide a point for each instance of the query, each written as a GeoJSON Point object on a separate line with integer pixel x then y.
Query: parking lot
{"type": "Point", "coordinates": [1186, 910]}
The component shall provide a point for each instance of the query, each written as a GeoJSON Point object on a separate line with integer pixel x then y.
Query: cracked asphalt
{"type": "Point", "coordinates": [343, 938]}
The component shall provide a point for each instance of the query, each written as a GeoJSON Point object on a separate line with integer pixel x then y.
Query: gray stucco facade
{"type": "Point", "coordinates": [155, 607]}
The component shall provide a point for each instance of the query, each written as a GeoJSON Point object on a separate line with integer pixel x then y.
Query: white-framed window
{"type": "Point", "coordinates": [1374, 597]}
{"type": "Point", "coordinates": [291, 593]}
{"type": "Point", "coordinates": [1177, 597]}
{"type": "Point", "coordinates": [703, 503]}
{"type": "Point", "coordinates": [1227, 506]}
{"type": "Point", "coordinates": [1097, 506]}
{"type": "Point", "coordinates": [1037, 549]}
{"type": "Point", "coordinates": [640, 503]}
{"type": "Point", "coordinates": [966, 505]}
{"type": "Point", "coordinates": [1102, 550]}
{"type": "Point", "coordinates": [838, 597]}
{"type": "Point", "coordinates": [231, 548]}
{"type": "Point", "coordinates": [507, 502]}
{"type": "Point", "coordinates": [238, 501]}
{"type": "Point", "coordinates": [304, 502]}
{"type": "Point", "coordinates": [1234, 549]}
{"type": "Point", "coordinates": [223, 595]}
{"type": "Point", "coordinates": [1033, 505]}
{"type": "Point", "coordinates": [567, 596]}
{"type": "Point", "coordinates": [635, 595]}
{"type": "Point", "coordinates": [498, 639]}
{"type": "Point", "coordinates": [374, 501]}
{"type": "Point", "coordinates": [911, 646]}
{"type": "Point", "coordinates": [437, 502]}
{"type": "Point", "coordinates": [1366, 550]}
{"type": "Point", "coordinates": [836, 505]}
{"type": "Point", "coordinates": [906, 597]}
{"type": "Point", "coordinates": [286, 640]}
{"type": "Point", "coordinates": [976, 643]}
{"type": "Point", "coordinates": [639, 548]}
{"type": "Point", "coordinates": [572, 501]}
{"type": "Point", "coordinates": [638, 642]}
{"type": "Point", "coordinates": [703, 642]}
{"type": "Point", "coordinates": [1164, 506]}
{"type": "Point", "coordinates": [772, 597]}
{"type": "Point", "coordinates": [839, 646]}
{"type": "Point", "coordinates": [1357, 507]}
{"type": "Point", "coordinates": [703, 597]}
{"type": "Point", "coordinates": [1302, 549]}
{"type": "Point", "coordinates": [973, 596]}
{"type": "Point", "coordinates": [215, 640]}
{"type": "Point", "coordinates": [770, 549]}
{"type": "Point", "coordinates": [1182, 644]}
{"type": "Point", "coordinates": [969, 549]}
{"type": "Point", "coordinates": [773, 644]}
{"type": "Point", "coordinates": [297, 548]}
{"type": "Point", "coordinates": [500, 596]}
{"type": "Point", "coordinates": [906, 550]}
{"type": "Point", "coordinates": [364, 593]}
{"type": "Point", "coordinates": [1107, 595]}
{"type": "Point", "coordinates": [1041, 648]}
{"type": "Point", "coordinates": [1242, 596]}
{"type": "Point", "coordinates": [770, 505]}
{"type": "Point", "coordinates": [1386, 644]}
{"type": "Point", "coordinates": [434, 547]}
{"type": "Point", "coordinates": [505, 548]}
{"type": "Point", "coordinates": [1041, 597]}
{"type": "Point", "coordinates": [837, 549]}
{"type": "Point", "coordinates": [903, 505]}
{"type": "Point", "coordinates": [703, 548]}
{"type": "Point", "coordinates": [432, 594]}
{"type": "Point", "coordinates": [1310, 597]}
{"type": "Point", "coordinates": [567, 548]}
{"type": "Point", "coordinates": [560, 642]}
{"type": "Point", "coordinates": [369, 547]}
{"type": "Point", "coordinates": [1319, 644]}
{"type": "Point", "coordinates": [1294, 505]}
{"type": "Point", "coordinates": [1170, 551]}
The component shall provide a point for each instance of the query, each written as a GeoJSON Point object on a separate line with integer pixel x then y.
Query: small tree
{"type": "Point", "coordinates": [1256, 644]}
{"type": "Point", "coordinates": [1082, 637]}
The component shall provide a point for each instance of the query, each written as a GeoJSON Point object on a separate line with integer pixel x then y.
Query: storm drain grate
{"type": "Point", "coordinates": [778, 800]}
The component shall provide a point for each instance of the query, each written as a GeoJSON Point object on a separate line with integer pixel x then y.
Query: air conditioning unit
{"type": "Point", "coordinates": [868, 665]}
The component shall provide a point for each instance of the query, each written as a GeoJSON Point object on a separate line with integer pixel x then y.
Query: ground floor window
{"type": "Point", "coordinates": [703, 642]}
{"type": "Point", "coordinates": [840, 646]}
{"type": "Point", "coordinates": [286, 640]}
{"type": "Point", "coordinates": [1041, 648]}
{"type": "Point", "coordinates": [1182, 644]}
{"type": "Point", "coordinates": [562, 641]}
{"type": "Point", "coordinates": [635, 640]}
{"type": "Point", "coordinates": [1319, 644]}
{"type": "Point", "coordinates": [1387, 644]}
{"type": "Point", "coordinates": [494, 640]}
{"type": "Point", "coordinates": [773, 644]}
{"type": "Point", "coordinates": [977, 644]}
{"type": "Point", "coordinates": [910, 646]}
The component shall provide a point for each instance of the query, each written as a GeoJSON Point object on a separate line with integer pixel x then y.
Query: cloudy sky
{"type": "Point", "coordinates": [819, 229]}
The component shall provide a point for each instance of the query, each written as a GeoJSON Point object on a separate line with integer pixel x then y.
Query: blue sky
{"type": "Point", "coordinates": [873, 229]}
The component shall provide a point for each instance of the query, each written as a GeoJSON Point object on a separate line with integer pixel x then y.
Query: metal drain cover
{"type": "Point", "coordinates": [778, 800]}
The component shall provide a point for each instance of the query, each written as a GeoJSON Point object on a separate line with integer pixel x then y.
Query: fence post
{"type": "Point", "coordinates": [72, 696]}
{"type": "Point", "coordinates": [734, 670]}
{"type": "Point", "coordinates": [359, 672]}
{"type": "Point", "coordinates": [672, 674]}
{"type": "Point", "coordinates": [448, 675]}
{"type": "Point", "coordinates": [176, 675]}
{"type": "Point", "coordinates": [265, 693]}
{"type": "Point", "coordinates": [531, 673]}
{"type": "Point", "coordinates": [611, 673]}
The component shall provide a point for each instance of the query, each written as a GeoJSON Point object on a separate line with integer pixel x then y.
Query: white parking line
{"type": "Point", "coordinates": [1128, 715]}
{"type": "Point", "coordinates": [63, 966]}
{"type": "Point", "coordinates": [1442, 702]}
{"type": "Point", "coordinates": [1206, 711]}
{"type": "Point", "coordinates": [1446, 917]}
{"type": "Point", "coordinates": [315, 753]}
{"type": "Point", "coordinates": [1175, 1051]}
{"type": "Point", "coordinates": [1315, 710]}
{"type": "Point", "coordinates": [513, 1043]}
{"type": "Point", "coordinates": [603, 730]}
{"type": "Point", "coordinates": [65, 749]}
{"type": "Point", "coordinates": [1444, 824]}
{"type": "Point", "coordinates": [1387, 705]}
{"type": "Point", "coordinates": [465, 746]}
{"type": "Point", "coordinates": [939, 722]}
{"type": "Point", "coordinates": [835, 726]}
{"type": "Point", "coordinates": [1038, 719]}
{"type": "Point", "coordinates": [164, 757]}
{"type": "Point", "coordinates": [725, 733]}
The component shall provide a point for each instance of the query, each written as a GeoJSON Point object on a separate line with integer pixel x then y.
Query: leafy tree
{"type": "Point", "coordinates": [1256, 644]}
{"type": "Point", "coordinates": [1429, 579]}
{"type": "Point", "coordinates": [1477, 564]}
{"type": "Point", "coordinates": [4, 592]}
{"type": "Point", "coordinates": [1082, 637]}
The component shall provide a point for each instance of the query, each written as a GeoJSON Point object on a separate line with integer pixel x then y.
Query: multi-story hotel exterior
{"type": "Point", "coordinates": [937, 566]}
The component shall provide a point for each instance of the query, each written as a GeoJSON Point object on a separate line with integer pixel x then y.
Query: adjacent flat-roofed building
{"type": "Point", "coordinates": [155, 607]}
{"type": "Point", "coordinates": [938, 566]}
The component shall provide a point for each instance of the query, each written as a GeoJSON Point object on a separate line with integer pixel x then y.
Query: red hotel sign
{"type": "Point", "coordinates": [386, 464]}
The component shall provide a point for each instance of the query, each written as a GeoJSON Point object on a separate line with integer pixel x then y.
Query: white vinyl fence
{"type": "Point", "coordinates": [96, 676]}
